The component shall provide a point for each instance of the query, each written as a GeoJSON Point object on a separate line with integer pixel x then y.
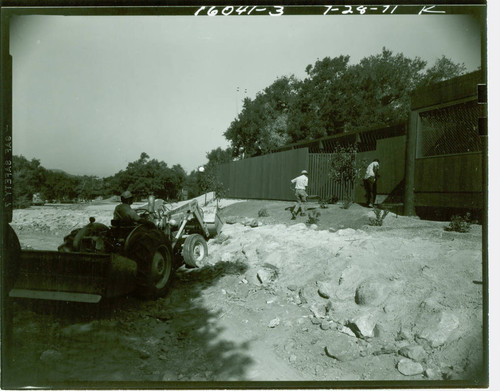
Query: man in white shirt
{"type": "Point", "coordinates": [301, 183]}
{"type": "Point", "coordinates": [370, 182]}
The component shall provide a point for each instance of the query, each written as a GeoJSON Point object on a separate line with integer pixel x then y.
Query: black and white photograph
{"type": "Point", "coordinates": [245, 196]}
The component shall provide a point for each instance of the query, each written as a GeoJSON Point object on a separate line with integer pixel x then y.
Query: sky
{"type": "Point", "coordinates": [90, 93]}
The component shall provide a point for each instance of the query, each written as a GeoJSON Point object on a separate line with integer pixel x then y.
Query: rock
{"type": "Point", "coordinates": [346, 330]}
{"type": "Point", "coordinates": [378, 331]}
{"type": "Point", "coordinates": [325, 325]}
{"type": "Point", "coordinates": [292, 287]}
{"type": "Point", "coordinates": [363, 325]}
{"type": "Point", "coordinates": [266, 276]}
{"type": "Point", "coordinates": [416, 352]}
{"type": "Point", "coordinates": [51, 356]}
{"type": "Point", "coordinates": [371, 292]}
{"type": "Point", "coordinates": [254, 223]}
{"type": "Point", "coordinates": [273, 323]}
{"type": "Point", "coordinates": [318, 313]}
{"type": "Point", "coordinates": [324, 289]}
{"type": "Point", "coordinates": [439, 328]}
{"type": "Point", "coordinates": [231, 220]}
{"type": "Point", "coordinates": [313, 227]}
{"type": "Point", "coordinates": [315, 320]}
{"type": "Point", "coordinates": [144, 354]}
{"type": "Point", "coordinates": [409, 367]}
{"type": "Point", "coordinates": [431, 373]}
{"type": "Point", "coordinates": [78, 329]}
{"type": "Point", "coordinates": [329, 307]}
{"type": "Point", "coordinates": [292, 358]}
{"type": "Point", "coordinates": [342, 348]}
{"type": "Point", "coordinates": [404, 333]}
{"type": "Point", "coordinates": [302, 296]}
{"type": "Point", "coordinates": [346, 232]}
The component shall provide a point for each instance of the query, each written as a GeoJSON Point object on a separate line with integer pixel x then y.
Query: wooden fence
{"type": "Point", "coordinates": [321, 184]}
{"type": "Point", "coordinates": [263, 177]}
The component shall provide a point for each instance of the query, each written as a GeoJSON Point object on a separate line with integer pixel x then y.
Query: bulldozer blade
{"type": "Point", "coordinates": [66, 276]}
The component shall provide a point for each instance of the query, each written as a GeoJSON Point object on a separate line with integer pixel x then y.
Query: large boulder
{"type": "Point", "coordinates": [437, 328]}
{"type": "Point", "coordinates": [342, 348]}
{"type": "Point", "coordinates": [372, 292]}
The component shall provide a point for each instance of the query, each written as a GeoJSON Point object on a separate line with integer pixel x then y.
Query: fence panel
{"type": "Point", "coordinates": [263, 177]}
{"type": "Point", "coordinates": [320, 183]}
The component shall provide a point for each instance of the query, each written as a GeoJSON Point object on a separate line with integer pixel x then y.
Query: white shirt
{"type": "Point", "coordinates": [300, 182]}
{"type": "Point", "coordinates": [371, 170]}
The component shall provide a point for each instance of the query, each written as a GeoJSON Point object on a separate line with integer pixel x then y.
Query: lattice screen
{"type": "Point", "coordinates": [449, 130]}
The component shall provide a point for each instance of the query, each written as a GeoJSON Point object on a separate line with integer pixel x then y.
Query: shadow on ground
{"type": "Point", "coordinates": [127, 341]}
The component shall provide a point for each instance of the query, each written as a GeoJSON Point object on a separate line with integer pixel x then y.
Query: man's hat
{"type": "Point", "coordinates": [304, 172]}
{"type": "Point", "coordinates": [126, 195]}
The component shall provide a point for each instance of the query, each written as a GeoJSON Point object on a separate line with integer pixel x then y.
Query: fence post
{"type": "Point", "coordinates": [411, 150]}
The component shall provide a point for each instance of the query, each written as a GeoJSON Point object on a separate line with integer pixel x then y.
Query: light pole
{"type": "Point", "coordinates": [201, 170]}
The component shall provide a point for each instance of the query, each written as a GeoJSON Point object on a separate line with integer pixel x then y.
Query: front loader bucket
{"type": "Point", "coordinates": [214, 227]}
{"type": "Point", "coordinates": [66, 276]}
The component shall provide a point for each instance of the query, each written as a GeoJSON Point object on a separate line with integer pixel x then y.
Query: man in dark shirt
{"type": "Point", "coordinates": [123, 213]}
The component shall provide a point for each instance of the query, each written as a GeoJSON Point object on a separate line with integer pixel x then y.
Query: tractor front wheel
{"type": "Point", "coordinates": [194, 250]}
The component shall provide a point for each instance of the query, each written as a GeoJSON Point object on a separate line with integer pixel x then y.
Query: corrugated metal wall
{"type": "Point", "coordinates": [264, 177]}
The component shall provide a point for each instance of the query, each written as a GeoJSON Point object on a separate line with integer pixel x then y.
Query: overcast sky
{"type": "Point", "coordinates": [90, 93]}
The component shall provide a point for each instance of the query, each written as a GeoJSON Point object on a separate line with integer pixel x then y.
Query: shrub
{"type": "Point", "coordinates": [459, 223]}
{"type": "Point", "coordinates": [379, 217]}
{"type": "Point", "coordinates": [313, 217]}
{"type": "Point", "coordinates": [346, 204]}
{"type": "Point", "coordinates": [263, 212]}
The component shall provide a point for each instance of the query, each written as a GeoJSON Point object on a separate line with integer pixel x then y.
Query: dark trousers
{"type": "Point", "coordinates": [371, 190]}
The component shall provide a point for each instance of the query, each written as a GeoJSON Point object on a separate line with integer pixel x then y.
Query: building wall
{"type": "Point", "coordinates": [453, 181]}
{"type": "Point", "coordinates": [449, 174]}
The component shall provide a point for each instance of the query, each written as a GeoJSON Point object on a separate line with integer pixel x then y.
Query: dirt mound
{"type": "Point", "coordinates": [337, 299]}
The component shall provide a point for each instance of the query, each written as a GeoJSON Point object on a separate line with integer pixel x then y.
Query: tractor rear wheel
{"type": "Point", "coordinates": [13, 252]}
{"type": "Point", "coordinates": [194, 250]}
{"type": "Point", "coordinates": [151, 250]}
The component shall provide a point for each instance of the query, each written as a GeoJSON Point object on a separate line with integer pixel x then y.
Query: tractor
{"type": "Point", "coordinates": [98, 261]}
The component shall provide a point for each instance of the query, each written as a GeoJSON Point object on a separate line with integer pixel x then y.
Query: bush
{"type": "Point", "coordinates": [379, 217]}
{"type": "Point", "coordinates": [313, 217]}
{"type": "Point", "coordinates": [346, 204]}
{"type": "Point", "coordinates": [263, 212]}
{"type": "Point", "coordinates": [459, 223]}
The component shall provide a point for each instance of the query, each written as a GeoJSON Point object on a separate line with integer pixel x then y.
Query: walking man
{"type": "Point", "coordinates": [370, 182]}
{"type": "Point", "coordinates": [301, 183]}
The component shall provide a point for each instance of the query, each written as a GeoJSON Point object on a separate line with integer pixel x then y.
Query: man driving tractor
{"type": "Point", "coordinates": [124, 214]}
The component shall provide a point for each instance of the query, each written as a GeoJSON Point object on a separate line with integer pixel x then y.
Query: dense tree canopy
{"type": "Point", "coordinates": [142, 177]}
{"type": "Point", "coordinates": [334, 97]}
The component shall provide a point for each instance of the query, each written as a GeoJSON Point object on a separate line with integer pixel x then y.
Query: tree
{"type": "Point", "coordinates": [262, 124]}
{"type": "Point", "coordinates": [144, 177]}
{"type": "Point", "coordinates": [443, 69]}
{"type": "Point", "coordinates": [28, 178]}
{"type": "Point", "coordinates": [379, 89]}
{"type": "Point", "coordinates": [343, 166]}
{"type": "Point", "coordinates": [318, 110]}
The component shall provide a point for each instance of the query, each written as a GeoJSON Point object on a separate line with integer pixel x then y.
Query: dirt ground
{"type": "Point", "coordinates": [276, 300]}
